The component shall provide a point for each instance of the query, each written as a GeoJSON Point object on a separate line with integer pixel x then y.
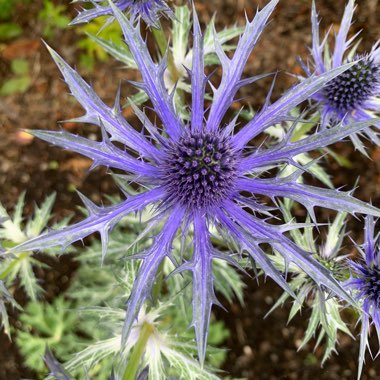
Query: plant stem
{"type": "Point", "coordinates": [20, 256]}
{"type": "Point", "coordinates": [130, 372]}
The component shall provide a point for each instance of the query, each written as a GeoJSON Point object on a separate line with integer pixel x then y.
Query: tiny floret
{"type": "Point", "coordinates": [371, 283]}
{"type": "Point", "coordinates": [356, 85]}
{"type": "Point", "coordinates": [199, 170]}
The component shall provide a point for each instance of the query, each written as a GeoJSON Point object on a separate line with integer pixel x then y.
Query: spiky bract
{"type": "Point", "coordinates": [199, 170]}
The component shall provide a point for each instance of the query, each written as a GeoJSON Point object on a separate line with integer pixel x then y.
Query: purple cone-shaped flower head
{"type": "Point", "coordinates": [199, 174]}
{"type": "Point", "coordinates": [148, 10]}
{"type": "Point", "coordinates": [355, 94]}
{"type": "Point", "coordinates": [365, 285]}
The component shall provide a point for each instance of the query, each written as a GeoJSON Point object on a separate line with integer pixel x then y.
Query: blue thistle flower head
{"type": "Point", "coordinates": [148, 10]}
{"type": "Point", "coordinates": [199, 174]}
{"type": "Point", "coordinates": [199, 170]}
{"type": "Point", "coordinates": [355, 94]}
{"type": "Point", "coordinates": [364, 283]}
{"type": "Point", "coordinates": [350, 91]}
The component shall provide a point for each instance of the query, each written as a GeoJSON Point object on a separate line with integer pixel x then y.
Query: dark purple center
{"type": "Point", "coordinates": [372, 284]}
{"type": "Point", "coordinates": [351, 89]}
{"type": "Point", "coordinates": [200, 170]}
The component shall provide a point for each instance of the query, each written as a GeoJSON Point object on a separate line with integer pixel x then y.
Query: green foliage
{"type": "Point", "coordinates": [228, 281]}
{"type": "Point", "coordinates": [18, 84]}
{"type": "Point", "coordinates": [99, 42]}
{"type": "Point", "coordinates": [299, 130]}
{"type": "Point", "coordinates": [339, 158]}
{"type": "Point", "coordinates": [218, 333]}
{"type": "Point", "coordinates": [6, 298]}
{"type": "Point", "coordinates": [9, 30]}
{"type": "Point", "coordinates": [14, 231]}
{"type": "Point", "coordinates": [117, 49]}
{"type": "Point", "coordinates": [325, 321]}
{"type": "Point", "coordinates": [8, 8]}
{"type": "Point", "coordinates": [47, 325]}
{"type": "Point", "coordinates": [53, 18]}
{"type": "Point", "coordinates": [21, 80]}
{"type": "Point", "coordinates": [20, 67]}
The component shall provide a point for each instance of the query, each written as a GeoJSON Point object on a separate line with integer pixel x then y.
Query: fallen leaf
{"type": "Point", "coordinates": [375, 155]}
{"type": "Point", "coordinates": [70, 125]}
{"type": "Point", "coordinates": [21, 48]}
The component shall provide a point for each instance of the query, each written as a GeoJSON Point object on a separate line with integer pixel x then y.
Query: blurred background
{"type": "Point", "coordinates": [33, 95]}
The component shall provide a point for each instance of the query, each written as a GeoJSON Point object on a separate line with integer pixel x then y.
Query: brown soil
{"type": "Point", "coordinates": [258, 348]}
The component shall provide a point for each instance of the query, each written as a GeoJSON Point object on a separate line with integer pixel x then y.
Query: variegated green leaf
{"type": "Point", "coordinates": [119, 52]}
{"type": "Point", "coordinates": [180, 34]}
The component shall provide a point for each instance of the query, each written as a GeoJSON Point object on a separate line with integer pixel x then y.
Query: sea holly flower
{"type": "Point", "coordinates": [201, 174]}
{"type": "Point", "coordinates": [148, 10]}
{"type": "Point", "coordinates": [365, 285]}
{"type": "Point", "coordinates": [325, 321]}
{"type": "Point", "coordinates": [355, 94]}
